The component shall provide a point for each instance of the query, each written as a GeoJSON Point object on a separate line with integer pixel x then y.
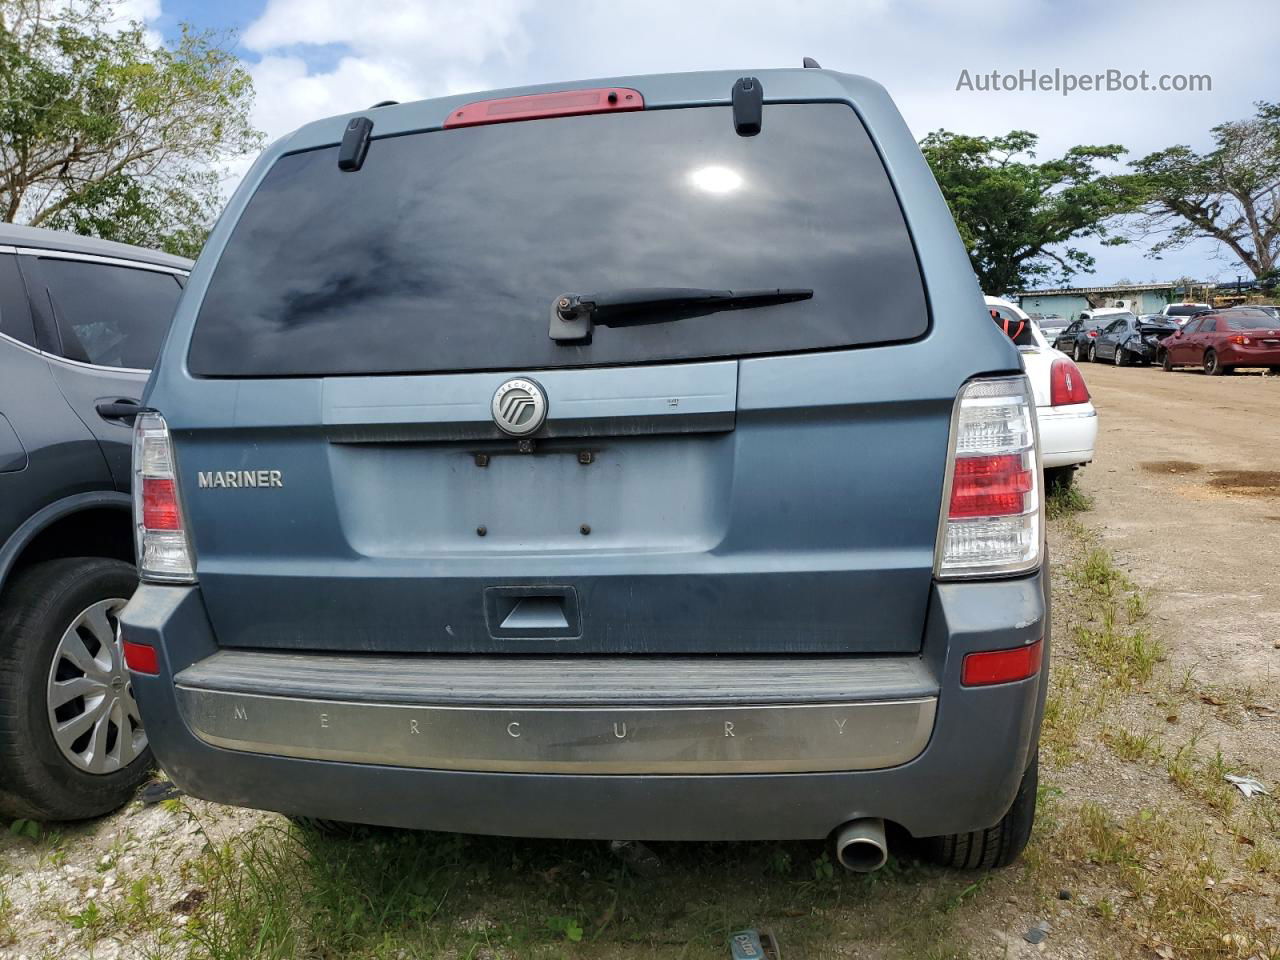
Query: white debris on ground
{"type": "Point", "coordinates": [58, 883]}
{"type": "Point", "coordinates": [1246, 785]}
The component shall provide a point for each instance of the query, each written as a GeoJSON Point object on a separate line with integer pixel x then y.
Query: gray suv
{"type": "Point", "coordinates": [617, 459]}
{"type": "Point", "coordinates": [81, 322]}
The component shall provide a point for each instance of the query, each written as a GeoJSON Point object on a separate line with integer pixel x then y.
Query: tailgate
{"type": "Point", "coordinates": [732, 506]}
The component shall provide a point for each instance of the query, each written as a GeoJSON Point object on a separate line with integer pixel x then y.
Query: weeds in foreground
{"type": "Point", "coordinates": [1178, 890]}
{"type": "Point", "coordinates": [1131, 746]}
{"type": "Point", "coordinates": [1114, 637]}
{"type": "Point", "coordinates": [282, 892]}
{"type": "Point", "coordinates": [1194, 876]}
{"type": "Point", "coordinates": [8, 930]}
{"type": "Point", "coordinates": [1063, 501]}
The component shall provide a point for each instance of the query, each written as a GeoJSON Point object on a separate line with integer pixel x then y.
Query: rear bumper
{"type": "Point", "coordinates": [935, 757]}
{"type": "Point", "coordinates": [1252, 356]}
{"type": "Point", "coordinates": [1067, 434]}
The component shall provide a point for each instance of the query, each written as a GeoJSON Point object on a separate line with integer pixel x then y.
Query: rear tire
{"type": "Point", "coordinates": [1166, 363]}
{"type": "Point", "coordinates": [1093, 353]}
{"type": "Point", "coordinates": [1076, 354]}
{"type": "Point", "coordinates": [1213, 365]}
{"type": "Point", "coordinates": [996, 846]}
{"type": "Point", "coordinates": [1059, 478]}
{"type": "Point", "coordinates": [1120, 358]}
{"type": "Point", "coordinates": [40, 608]}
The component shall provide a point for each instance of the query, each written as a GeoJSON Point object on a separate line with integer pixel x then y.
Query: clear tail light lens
{"type": "Point", "coordinates": [1066, 384]}
{"type": "Point", "coordinates": [991, 522]}
{"type": "Point", "coordinates": [164, 549]}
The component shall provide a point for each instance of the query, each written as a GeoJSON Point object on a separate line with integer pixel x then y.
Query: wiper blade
{"type": "Point", "coordinates": [573, 315]}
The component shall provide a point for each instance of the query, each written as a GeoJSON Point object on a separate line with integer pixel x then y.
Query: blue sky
{"type": "Point", "coordinates": [312, 58]}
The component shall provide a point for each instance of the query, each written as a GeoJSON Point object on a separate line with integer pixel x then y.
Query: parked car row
{"type": "Point", "coordinates": [1216, 341]}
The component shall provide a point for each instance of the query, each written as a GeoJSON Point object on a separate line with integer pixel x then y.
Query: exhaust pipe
{"type": "Point", "coordinates": [860, 845]}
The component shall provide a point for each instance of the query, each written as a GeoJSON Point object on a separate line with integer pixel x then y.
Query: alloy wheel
{"type": "Point", "coordinates": [92, 712]}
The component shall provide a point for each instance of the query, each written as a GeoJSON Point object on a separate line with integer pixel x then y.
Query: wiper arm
{"type": "Point", "coordinates": [573, 315]}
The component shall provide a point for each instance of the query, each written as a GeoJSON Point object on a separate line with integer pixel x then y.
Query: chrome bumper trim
{"type": "Point", "coordinates": [774, 738]}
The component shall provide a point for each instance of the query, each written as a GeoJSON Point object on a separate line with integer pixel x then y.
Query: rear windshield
{"type": "Point", "coordinates": [1186, 310]}
{"type": "Point", "coordinates": [1251, 321]}
{"type": "Point", "coordinates": [447, 250]}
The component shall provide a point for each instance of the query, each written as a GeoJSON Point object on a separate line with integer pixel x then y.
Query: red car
{"type": "Point", "coordinates": [1220, 342]}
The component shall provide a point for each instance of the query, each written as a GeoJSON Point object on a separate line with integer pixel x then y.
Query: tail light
{"type": "Point", "coordinates": [1066, 384]}
{"type": "Point", "coordinates": [1091, 333]}
{"type": "Point", "coordinates": [164, 548]}
{"type": "Point", "coordinates": [991, 522]}
{"type": "Point", "coordinates": [1239, 340]}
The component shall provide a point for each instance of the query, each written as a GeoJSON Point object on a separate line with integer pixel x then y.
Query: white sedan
{"type": "Point", "coordinates": [1068, 420]}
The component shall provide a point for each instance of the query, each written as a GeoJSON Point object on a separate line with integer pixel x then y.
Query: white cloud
{"type": "Point", "coordinates": [420, 32]}
{"type": "Point", "coordinates": [288, 95]}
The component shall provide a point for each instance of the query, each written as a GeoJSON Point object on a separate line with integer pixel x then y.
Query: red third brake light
{"type": "Point", "coordinates": [1002, 666]}
{"type": "Point", "coordinates": [541, 105]}
{"type": "Point", "coordinates": [1066, 384]}
{"type": "Point", "coordinates": [989, 486]}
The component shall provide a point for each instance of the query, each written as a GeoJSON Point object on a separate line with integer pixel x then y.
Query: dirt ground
{"type": "Point", "coordinates": [1141, 851]}
{"type": "Point", "coordinates": [1186, 490]}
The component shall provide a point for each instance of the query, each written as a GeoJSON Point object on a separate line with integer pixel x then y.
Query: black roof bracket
{"type": "Point", "coordinates": [355, 144]}
{"type": "Point", "coordinates": [748, 106]}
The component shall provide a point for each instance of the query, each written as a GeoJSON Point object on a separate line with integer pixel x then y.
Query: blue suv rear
{"type": "Point", "coordinates": [624, 458]}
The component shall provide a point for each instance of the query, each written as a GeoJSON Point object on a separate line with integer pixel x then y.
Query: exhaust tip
{"type": "Point", "coordinates": [861, 846]}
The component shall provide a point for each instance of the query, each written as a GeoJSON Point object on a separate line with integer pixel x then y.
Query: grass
{"type": "Point", "coordinates": [8, 928]}
{"type": "Point", "coordinates": [1193, 871]}
{"type": "Point", "coordinates": [1114, 637]}
{"type": "Point", "coordinates": [284, 892]}
{"type": "Point", "coordinates": [1064, 501]}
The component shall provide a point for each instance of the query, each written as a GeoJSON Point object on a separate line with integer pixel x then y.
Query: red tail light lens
{"type": "Point", "coordinates": [141, 658]}
{"type": "Point", "coordinates": [541, 105]}
{"type": "Point", "coordinates": [994, 486]}
{"type": "Point", "coordinates": [1093, 333]}
{"type": "Point", "coordinates": [1239, 340]}
{"type": "Point", "coordinates": [1066, 384]}
{"type": "Point", "coordinates": [1002, 666]}
{"type": "Point", "coordinates": [160, 504]}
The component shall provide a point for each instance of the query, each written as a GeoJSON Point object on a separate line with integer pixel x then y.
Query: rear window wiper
{"type": "Point", "coordinates": [573, 315]}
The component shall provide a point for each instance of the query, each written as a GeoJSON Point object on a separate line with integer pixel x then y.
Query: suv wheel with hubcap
{"type": "Point", "coordinates": [71, 740]}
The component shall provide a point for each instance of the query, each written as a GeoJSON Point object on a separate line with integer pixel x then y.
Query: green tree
{"type": "Point", "coordinates": [1230, 194]}
{"type": "Point", "coordinates": [104, 133]}
{"type": "Point", "coordinates": [1016, 216]}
